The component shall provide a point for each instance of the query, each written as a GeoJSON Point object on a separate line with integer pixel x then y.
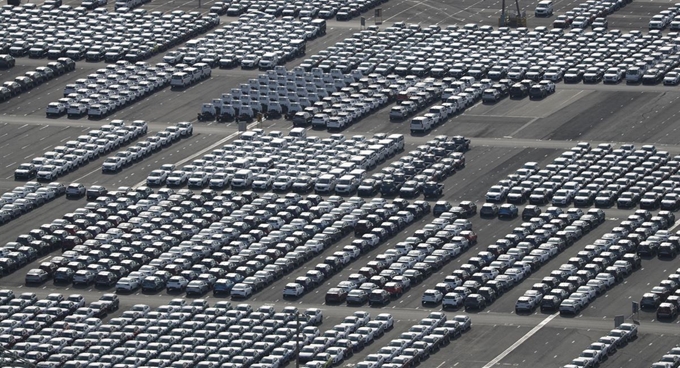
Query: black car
{"type": "Point", "coordinates": [488, 210]}
{"type": "Point", "coordinates": [95, 191]}
{"type": "Point", "coordinates": [474, 302]}
{"type": "Point", "coordinates": [652, 76]}
{"type": "Point", "coordinates": [25, 172]}
{"type": "Point", "coordinates": [378, 297]}
{"type": "Point", "coordinates": [152, 284]}
{"type": "Point", "coordinates": [368, 187]}
{"type": "Point", "coordinates": [530, 211]}
{"type": "Point", "coordinates": [7, 61]}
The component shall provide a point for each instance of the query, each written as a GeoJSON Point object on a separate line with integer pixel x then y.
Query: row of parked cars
{"type": "Point", "coordinates": [297, 95]}
{"type": "Point", "coordinates": [513, 258]}
{"type": "Point", "coordinates": [35, 78]}
{"type": "Point", "coordinates": [590, 13]}
{"type": "Point", "coordinates": [34, 328]}
{"type": "Point", "coordinates": [7, 61]}
{"type": "Point", "coordinates": [111, 88]}
{"type": "Point", "coordinates": [97, 35]}
{"type": "Point", "coordinates": [62, 160]}
{"type": "Point", "coordinates": [338, 344]}
{"type": "Point", "coordinates": [256, 40]}
{"type": "Point", "coordinates": [555, 55]}
{"type": "Point", "coordinates": [374, 223]}
{"type": "Point", "coordinates": [26, 198]}
{"type": "Point", "coordinates": [420, 171]}
{"type": "Point", "coordinates": [602, 176]}
{"type": "Point", "coordinates": [398, 269]}
{"type": "Point", "coordinates": [419, 342]}
{"type": "Point", "coordinates": [296, 163]}
{"type": "Point", "coordinates": [610, 259]}
{"type": "Point", "coordinates": [58, 332]}
{"type": "Point", "coordinates": [341, 10]}
{"type": "Point", "coordinates": [631, 57]}
{"type": "Point", "coordinates": [606, 346]}
{"type": "Point", "coordinates": [669, 360]}
{"type": "Point", "coordinates": [329, 229]}
{"type": "Point", "coordinates": [148, 146]}
{"type": "Point", "coordinates": [664, 298]}
{"type": "Point", "coordinates": [235, 247]}
{"type": "Point", "coordinates": [321, 99]}
{"type": "Point", "coordinates": [665, 18]}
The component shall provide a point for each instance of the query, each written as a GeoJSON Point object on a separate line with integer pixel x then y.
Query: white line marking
{"type": "Point", "coordinates": [523, 126]}
{"type": "Point", "coordinates": [519, 342]}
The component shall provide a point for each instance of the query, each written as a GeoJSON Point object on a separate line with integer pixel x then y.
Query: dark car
{"type": "Point", "coordinates": [95, 191]}
{"type": "Point", "coordinates": [474, 302]}
{"type": "Point", "coordinates": [518, 91]}
{"type": "Point", "coordinates": [7, 61]}
{"type": "Point", "coordinates": [378, 297]}
{"type": "Point", "coordinates": [489, 210]}
{"type": "Point", "coordinates": [441, 207]}
{"type": "Point", "coordinates": [508, 211]}
{"type": "Point", "coordinates": [469, 207]}
{"type": "Point", "coordinates": [530, 211]}
{"type": "Point", "coordinates": [336, 295]}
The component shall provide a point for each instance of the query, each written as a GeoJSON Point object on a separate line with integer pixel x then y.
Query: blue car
{"type": "Point", "coordinates": [508, 211]}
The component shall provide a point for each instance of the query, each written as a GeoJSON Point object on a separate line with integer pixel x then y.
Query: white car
{"type": "Point", "coordinates": [386, 319]}
{"type": "Point", "coordinates": [47, 173]}
{"type": "Point", "coordinates": [631, 330]}
{"type": "Point", "coordinates": [606, 278]}
{"type": "Point", "coordinates": [157, 177]}
{"type": "Point", "coordinates": [453, 300]}
{"type": "Point", "coordinates": [526, 304]}
{"type": "Point", "coordinates": [293, 290]}
{"type": "Point", "coordinates": [606, 349]}
{"type": "Point", "coordinates": [185, 128]}
{"type": "Point", "coordinates": [432, 296]}
{"type": "Point", "coordinates": [112, 164]}
{"type": "Point", "coordinates": [241, 290]}
{"type": "Point", "coordinates": [587, 290]}
{"type": "Point", "coordinates": [127, 284]}
{"type": "Point", "coordinates": [55, 109]}
{"type": "Point", "coordinates": [596, 356]}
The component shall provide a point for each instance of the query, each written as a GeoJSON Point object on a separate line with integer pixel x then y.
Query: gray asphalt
{"type": "Point", "coordinates": [505, 135]}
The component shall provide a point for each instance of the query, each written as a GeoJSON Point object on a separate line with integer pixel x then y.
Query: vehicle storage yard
{"type": "Point", "coordinates": [504, 136]}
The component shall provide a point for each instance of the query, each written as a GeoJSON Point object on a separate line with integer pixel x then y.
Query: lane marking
{"type": "Point", "coordinates": [522, 127]}
{"type": "Point", "coordinates": [519, 342]}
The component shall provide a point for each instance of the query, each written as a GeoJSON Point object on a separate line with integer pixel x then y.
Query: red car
{"type": "Point", "coordinates": [470, 235]}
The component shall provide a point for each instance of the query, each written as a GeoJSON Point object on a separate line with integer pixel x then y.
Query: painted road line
{"type": "Point", "coordinates": [519, 342]}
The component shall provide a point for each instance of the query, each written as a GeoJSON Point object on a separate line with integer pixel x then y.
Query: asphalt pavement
{"type": "Point", "coordinates": [504, 136]}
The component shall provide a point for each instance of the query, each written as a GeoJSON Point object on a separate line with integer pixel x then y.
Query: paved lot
{"type": "Point", "coordinates": [505, 135]}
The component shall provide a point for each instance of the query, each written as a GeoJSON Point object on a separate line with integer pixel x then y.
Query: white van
{"type": "Point", "coordinates": [180, 80]}
{"type": "Point", "coordinates": [300, 133]}
{"type": "Point", "coordinates": [242, 179]}
{"type": "Point", "coordinates": [544, 8]}
{"type": "Point", "coordinates": [325, 184]}
{"type": "Point", "coordinates": [268, 61]}
{"type": "Point", "coordinates": [359, 174]}
{"type": "Point", "coordinates": [421, 124]}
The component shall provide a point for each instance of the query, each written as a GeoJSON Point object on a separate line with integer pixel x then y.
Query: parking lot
{"type": "Point", "coordinates": [504, 136]}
